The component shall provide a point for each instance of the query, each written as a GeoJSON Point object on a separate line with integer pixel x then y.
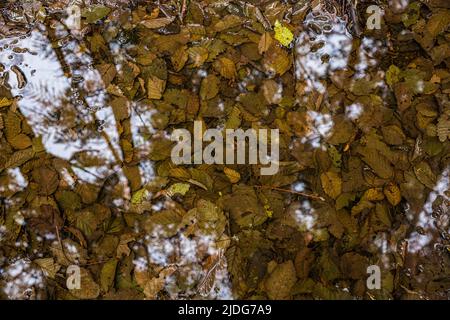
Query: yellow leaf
{"type": "Point", "coordinates": [139, 196]}
{"type": "Point", "coordinates": [232, 175]}
{"type": "Point", "coordinates": [283, 34]}
{"type": "Point", "coordinates": [4, 102]}
{"type": "Point", "coordinates": [179, 58]}
{"type": "Point", "coordinates": [374, 194]}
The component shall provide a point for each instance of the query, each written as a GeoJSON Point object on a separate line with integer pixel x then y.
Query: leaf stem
{"type": "Point", "coordinates": [308, 195]}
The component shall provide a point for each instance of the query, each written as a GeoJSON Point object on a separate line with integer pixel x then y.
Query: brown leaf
{"type": "Point", "coordinates": [209, 87]}
{"type": "Point", "coordinates": [21, 141]}
{"type": "Point", "coordinates": [265, 42]}
{"type": "Point", "coordinates": [227, 22]}
{"type": "Point", "coordinates": [276, 60]}
{"type": "Point", "coordinates": [155, 87]}
{"type": "Point", "coordinates": [179, 58]}
{"type": "Point", "coordinates": [331, 184]}
{"type": "Point", "coordinates": [392, 193]}
{"type": "Point", "coordinates": [232, 175]}
{"type": "Point", "coordinates": [107, 72]}
{"type": "Point", "coordinates": [280, 281]}
{"type": "Point", "coordinates": [89, 289]}
{"type": "Point", "coordinates": [46, 221]}
{"type": "Point", "coordinates": [226, 68]}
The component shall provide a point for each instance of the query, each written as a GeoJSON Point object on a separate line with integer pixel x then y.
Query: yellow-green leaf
{"type": "Point", "coordinates": [331, 184]}
{"type": "Point", "coordinates": [283, 34]}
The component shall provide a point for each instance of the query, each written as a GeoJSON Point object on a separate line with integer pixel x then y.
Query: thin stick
{"type": "Point", "coordinates": [308, 195]}
{"type": "Point", "coordinates": [183, 11]}
{"type": "Point", "coordinates": [61, 244]}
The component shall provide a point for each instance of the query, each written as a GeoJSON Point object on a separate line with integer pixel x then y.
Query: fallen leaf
{"type": "Point", "coordinates": [283, 34]}
{"type": "Point", "coordinates": [331, 184]}
{"type": "Point", "coordinates": [232, 175]}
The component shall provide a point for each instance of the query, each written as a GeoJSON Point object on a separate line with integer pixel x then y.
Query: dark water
{"type": "Point", "coordinates": [86, 176]}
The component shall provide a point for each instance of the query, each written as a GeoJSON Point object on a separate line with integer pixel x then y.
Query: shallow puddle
{"type": "Point", "coordinates": [224, 149]}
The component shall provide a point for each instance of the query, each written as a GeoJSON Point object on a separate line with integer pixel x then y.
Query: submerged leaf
{"type": "Point", "coordinates": [178, 188]}
{"type": "Point", "coordinates": [95, 13]}
{"type": "Point", "coordinates": [331, 184]}
{"type": "Point", "coordinates": [283, 34]}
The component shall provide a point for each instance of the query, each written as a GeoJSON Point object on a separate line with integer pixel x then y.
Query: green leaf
{"type": "Point", "coordinates": [178, 188]}
{"type": "Point", "coordinates": [95, 13]}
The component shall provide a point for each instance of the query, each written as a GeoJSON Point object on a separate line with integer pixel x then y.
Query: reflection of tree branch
{"type": "Point", "coordinates": [68, 72]}
{"type": "Point", "coordinates": [87, 171]}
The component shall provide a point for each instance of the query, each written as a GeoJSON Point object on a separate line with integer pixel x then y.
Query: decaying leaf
{"type": "Point", "coordinates": [277, 60]}
{"type": "Point", "coordinates": [392, 193]}
{"type": "Point", "coordinates": [280, 281]}
{"type": "Point", "coordinates": [178, 188]}
{"type": "Point", "coordinates": [157, 23]}
{"type": "Point", "coordinates": [107, 275]}
{"type": "Point", "coordinates": [331, 184]}
{"type": "Point", "coordinates": [232, 175]}
{"type": "Point", "coordinates": [48, 266]}
{"type": "Point", "coordinates": [87, 177]}
{"type": "Point", "coordinates": [95, 13]}
{"type": "Point", "coordinates": [225, 67]}
{"type": "Point", "coordinates": [152, 285]}
{"type": "Point", "coordinates": [89, 289]}
{"type": "Point", "coordinates": [425, 175]}
{"type": "Point", "coordinates": [265, 42]}
{"type": "Point", "coordinates": [283, 34]}
{"type": "Point", "coordinates": [209, 87]}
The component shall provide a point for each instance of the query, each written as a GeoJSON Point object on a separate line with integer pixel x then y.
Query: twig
{"type": "Point", "coordinates": [308, 195]}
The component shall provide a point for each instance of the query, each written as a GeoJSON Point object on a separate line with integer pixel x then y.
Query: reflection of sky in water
{"type": "Point", "coordinates": [426, 221]}
{"type": "Point", "coordinates": [22, 278]}
{"type": "Point", "coordinates": [336, 44]}
{"type": "Point", "coordinates": [49, 79]}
